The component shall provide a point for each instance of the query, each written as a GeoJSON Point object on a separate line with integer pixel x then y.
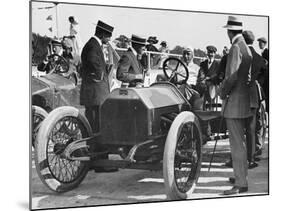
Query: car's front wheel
{"type": "Point", "coordinates": [182, 156]}
{"type": "Point", "coordinates": [61, 127]}
{"type": "Point", "coordinates": [38, 115]}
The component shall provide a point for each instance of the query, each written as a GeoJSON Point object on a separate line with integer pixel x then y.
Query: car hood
{"type": "Point", "coordinates": [38, 85]}
{"type": "Point", "coordinates": [52, 81]}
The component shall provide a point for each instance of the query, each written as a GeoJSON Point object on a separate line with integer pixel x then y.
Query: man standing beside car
{"type": "Point", "coordinates": [236, 109]}
{"type": "Point", "coordinates": [95, 86]}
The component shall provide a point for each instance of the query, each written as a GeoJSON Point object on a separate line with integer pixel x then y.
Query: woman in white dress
{"type": "Point", "coordinates": [74, 32]}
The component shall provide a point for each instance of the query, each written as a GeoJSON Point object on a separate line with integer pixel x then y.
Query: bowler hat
{"type": "Point", "coordinates": [262, 39]}
{"type": "Point", "coordinates": [152, 39]}
{"type": "Point", "coordinates": [234, 23]}
{"type": "Point", "coordinates": [211, 48]}
{"type": "Point", "coordinates": [248, 36]}
{"type": "Point", "coordinates": [138, 39]}
{"type": "Point", "coordinates": [105, 27]}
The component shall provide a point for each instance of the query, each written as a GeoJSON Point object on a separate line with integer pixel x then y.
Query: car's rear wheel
{"type": "Point", "coordinates": [38, 115]}
{"type": "Point", "coordinates": [62, 126]}
{"type": "Point", "coordinates": [182, 156]}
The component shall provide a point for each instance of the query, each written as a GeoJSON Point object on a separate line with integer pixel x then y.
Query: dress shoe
{"type": "Point", "coordinates": [231, 180]}
{"type": "Point", "coordinates": [235, 190]}
{"type": "Point", "coordinates": [252, 165]}
{"type": "Point", "coordinates": [228, 164]}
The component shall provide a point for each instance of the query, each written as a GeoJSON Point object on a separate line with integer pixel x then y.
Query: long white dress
{"type": "Point", "coordinates": [74, 30]}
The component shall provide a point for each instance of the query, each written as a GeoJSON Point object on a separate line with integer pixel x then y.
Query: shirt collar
{"type": "Point", "coordinates": [99, 41]}
{"type": "Point", "coordinates": [235, 38]}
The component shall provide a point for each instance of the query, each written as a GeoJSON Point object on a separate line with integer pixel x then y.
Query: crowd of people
{"type": "Point", "coordinates": [241, 79]}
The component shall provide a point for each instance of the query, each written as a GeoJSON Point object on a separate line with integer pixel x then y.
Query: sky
{"type": "Point", "coordinates": [176, 27]}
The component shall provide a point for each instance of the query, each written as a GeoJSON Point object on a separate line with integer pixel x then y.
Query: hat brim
{"type": "Point", "coordinates": [140, 43]}
{"type": "Point", "coordinates": [231, 27]}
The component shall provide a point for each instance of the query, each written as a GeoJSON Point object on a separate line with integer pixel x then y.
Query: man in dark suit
{"type": "Point", "coordinates": [236, 109]}
{"type": "Point", "coordinates": [130, 69]}
{"type": "Point", "coordinates": [207, 75]}
{"type": "Point", "coordinates": [253, 135]}
{"type": "Point", "coordinates": [265, 83]}
{"type": "Point", "coordinates": [262, 44]}
{"type": "Point", "coordinates": [95, 86]}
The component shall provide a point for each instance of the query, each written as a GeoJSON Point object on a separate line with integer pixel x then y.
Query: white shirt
{"type": "Point", "coordinates": [193, 70]}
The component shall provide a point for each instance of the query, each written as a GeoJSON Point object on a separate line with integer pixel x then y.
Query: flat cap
{"type": "Point", "coordinates": [188, 49]}
{"type": "Point", "coordinates": [211, 48]}
{"type": "Point", "coordinates": [248, 36]}
{"type": "Point", "coordinates": [262, 39]}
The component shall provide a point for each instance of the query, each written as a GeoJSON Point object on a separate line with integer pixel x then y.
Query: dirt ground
{"type": "Point", "coordinates": [136, 186]}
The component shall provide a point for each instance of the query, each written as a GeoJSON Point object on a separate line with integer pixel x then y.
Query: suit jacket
{"type": "Point", "coordinates": [94, 86]}
{"type": "Point", "coordinates": [265, 54]}
{"type": "Point", "coordinates": [235, 91]}
{"type": "Point", "coordinates": [204, 72]}
{"type": "Point", "coordinates": [258, 67]}
{"type": "Point", "coordinates": [221, 69]}
{"type": "Point", "coordinates": [128, 67]}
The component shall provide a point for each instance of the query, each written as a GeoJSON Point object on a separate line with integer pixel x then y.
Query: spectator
{"type": "Point", "coordinates": [74, 32]}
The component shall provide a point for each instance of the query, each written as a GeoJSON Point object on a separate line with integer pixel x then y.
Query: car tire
{"type": "Point", "coordinates": [60, 178]}
{"type": "Point", "coordinates": [38, 115]}
{"type": "Point", "coordinates": [182, 148]}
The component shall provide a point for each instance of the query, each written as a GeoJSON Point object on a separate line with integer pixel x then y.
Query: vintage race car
{"type": "Point", "coordinates": [49, 91]}
{"type": "Point", "coordinates": [149, 127]}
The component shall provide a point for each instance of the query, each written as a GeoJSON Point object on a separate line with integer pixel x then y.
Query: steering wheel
{"type": "Point", "coordinates": [175, 70]}
{"type": "Point", "coordinates": [59, 64]}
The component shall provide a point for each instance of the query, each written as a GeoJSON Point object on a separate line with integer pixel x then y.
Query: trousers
{"type": "Point", "coordinates": [236, 128]}
{"type": "Point", "coordinates": [92, 113]}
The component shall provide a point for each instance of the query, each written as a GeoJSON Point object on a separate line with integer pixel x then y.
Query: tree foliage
{"type": "Point", "coordinates": [39, 48]}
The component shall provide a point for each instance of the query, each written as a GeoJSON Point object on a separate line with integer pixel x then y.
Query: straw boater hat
{"type": "Point", "coordinates": [105, 27]}
{"type": "Point", "coordinates": [138, 39]}
{"type": "Point", "coordinates": [233, 23]}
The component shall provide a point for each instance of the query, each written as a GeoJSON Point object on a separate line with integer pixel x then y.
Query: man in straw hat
{"type": "Point", "coordinates": [234, 92]}
{"type": "Point", "coordinates": [130, 68]}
